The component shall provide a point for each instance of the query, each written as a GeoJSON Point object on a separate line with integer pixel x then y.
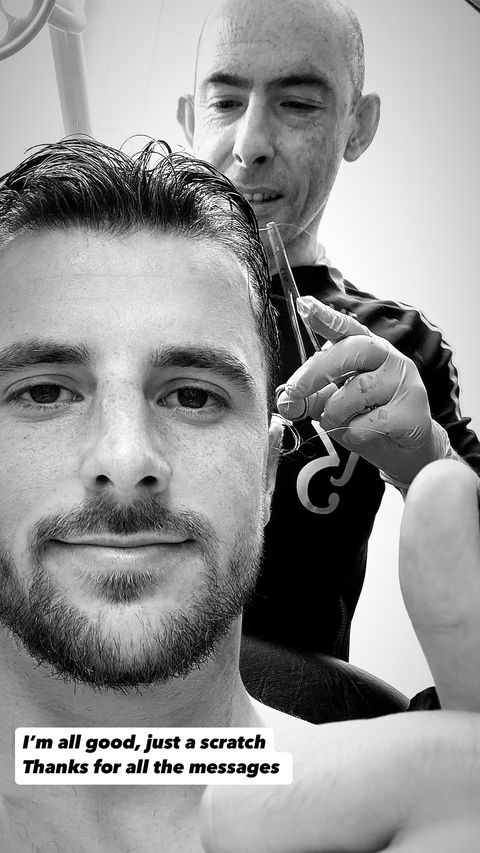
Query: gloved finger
{"type": "Point", "coordinates": [401, 406]}
{"type": "Point", "coordinates": [359, 395]}
{"type": "Point", "coordinates": [355, 354]}
{"type": "Point", "coordinates": [440, 577]}
{"type": "Point", "coordinates": [330, 324]}
{"type": "Point", "coordinates": [358, 436]}
{"type": "Point", "coordinates": [297, 409]}
{"type": "Point", "coordinates": [396, 387]}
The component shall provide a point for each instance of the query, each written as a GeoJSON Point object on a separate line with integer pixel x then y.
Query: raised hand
{"type": "Point", "coordinates": [381, 412]}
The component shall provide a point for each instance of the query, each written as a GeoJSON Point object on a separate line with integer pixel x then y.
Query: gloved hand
{"type": "Point", "coordinates": [382, 413]}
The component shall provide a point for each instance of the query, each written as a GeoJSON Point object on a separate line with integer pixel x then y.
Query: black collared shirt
{"type": "Point", "coordinates": [327, 498]}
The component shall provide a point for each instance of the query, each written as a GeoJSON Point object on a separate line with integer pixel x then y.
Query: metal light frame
{"type": "Point", "coordinates": [67, 20]}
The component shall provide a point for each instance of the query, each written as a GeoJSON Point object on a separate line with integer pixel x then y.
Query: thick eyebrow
{"type": "Point", "coordinates": [22, 354]}
{"type": "Point", "coordinates": [306, 78]}
{"type": "Point", "coordinates": [218, 360]}
{"type": "Point", "coordinates": [219, 78]}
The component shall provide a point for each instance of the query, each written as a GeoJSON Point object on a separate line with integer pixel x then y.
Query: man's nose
{"type": "Point", "coordinates": [254, 139]}
{"type": "Point", "coordinates": [125, 456]}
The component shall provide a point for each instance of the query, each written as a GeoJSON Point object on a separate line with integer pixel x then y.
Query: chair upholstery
{"type": "Point", "coordinates": [314, 687]}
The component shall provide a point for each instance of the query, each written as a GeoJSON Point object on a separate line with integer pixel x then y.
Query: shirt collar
{"type": "Point", "coordinates": [334, 273]}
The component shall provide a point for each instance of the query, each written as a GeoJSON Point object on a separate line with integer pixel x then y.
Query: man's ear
{"type": "Point", "coordinates": [275, 438]}
{"type": "Point", "coordinates": [186, 116]}
{"type": "Point", "coordinates": [365, 123]}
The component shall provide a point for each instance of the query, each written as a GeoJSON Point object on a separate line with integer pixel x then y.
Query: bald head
{"type": "Point", "coordinates": [319, 15]}
{"type": "Point", "coordinates": [278, 104]}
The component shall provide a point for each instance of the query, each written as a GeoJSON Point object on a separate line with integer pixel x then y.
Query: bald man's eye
{"type": "Point", "coordinates": [224, 105]}
{"type": "Point", "coordinates": [195, 402]}
{"type": "Point", "coordinates": [305, 107]}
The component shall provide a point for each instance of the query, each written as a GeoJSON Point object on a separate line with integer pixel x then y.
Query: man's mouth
{"type": "Point", "coordinates": [136, 540]}
{"type": "Point", "coordinates": [260, 195]}
{"type": "Point", "coordinates": [137, 553]}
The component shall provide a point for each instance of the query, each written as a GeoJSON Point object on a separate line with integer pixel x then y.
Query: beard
{"type": "Point", "coordinates": [79, 648]}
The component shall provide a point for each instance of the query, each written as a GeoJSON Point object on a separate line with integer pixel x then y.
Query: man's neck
{"type": "Point", "coordinates": [131, 818]}
{"type": "Point", "coordinates": [212, 695]}
{"type": "Point", "coordinates": [302, 250]}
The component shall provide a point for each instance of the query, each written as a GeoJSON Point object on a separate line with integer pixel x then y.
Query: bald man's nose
{"type": "Point", "coordinates": [254, 143]}
{"type": "Point", "coordinates": [125, 455]}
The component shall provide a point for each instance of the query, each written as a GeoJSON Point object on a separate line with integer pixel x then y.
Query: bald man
{"type": "Point", "coordinates": [278, 103]}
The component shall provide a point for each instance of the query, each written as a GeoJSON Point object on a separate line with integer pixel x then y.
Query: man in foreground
{"type": "Point", "coordinates": [138, 468]}
{"type": "Point", "coordinates": [137, 471]}
{"type": "Point", "coordinates": [277, 104]}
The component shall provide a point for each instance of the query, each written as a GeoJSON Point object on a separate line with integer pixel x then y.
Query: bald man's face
{"type": "Point", "coordinates": [273, 110]}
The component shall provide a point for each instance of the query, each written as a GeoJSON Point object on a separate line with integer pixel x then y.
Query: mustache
{"type": "Point", "coordinates": [100, 515]}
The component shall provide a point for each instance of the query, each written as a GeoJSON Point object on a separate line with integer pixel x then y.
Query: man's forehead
{"type": "Point", "coordinates": [138, 252]}
{"type": "Point", "coordinates": [70, 286]}
{"type": "Point", "coordinates": [296, 36]}
{"type": "Point", "coordinates": [151, 277]}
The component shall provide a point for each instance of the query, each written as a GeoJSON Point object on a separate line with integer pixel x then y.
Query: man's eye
{"type": "Point", "coordinates": [194, 401]}
{"type": "Point", "coordinates": [300, 106]}
{"type": "Point", "coordinates": [225, 104]}
{"type": "Point", "coordinates": [192, 398]}
{"type": "Point", "coordinates": [44, 395]}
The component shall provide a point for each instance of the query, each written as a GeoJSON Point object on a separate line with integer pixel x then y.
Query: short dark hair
{"type": "Point", "coordinates": [79, 182]}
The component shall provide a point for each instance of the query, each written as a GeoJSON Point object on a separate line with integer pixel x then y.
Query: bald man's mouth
{"type": "Point", "coordinates": [259, 195]}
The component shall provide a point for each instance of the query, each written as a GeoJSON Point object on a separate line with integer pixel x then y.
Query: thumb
{"type": "Point", "coordinates": [324, 808]}
{"type": "Point", "coordinates": [440, 577]}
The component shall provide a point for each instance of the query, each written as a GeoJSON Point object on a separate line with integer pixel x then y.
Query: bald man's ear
{"type": "Point", "coordinates": [365, 122]}
{"type": "Point", "coordinates": [275, 439]}
{"type": "Point", "coordinates": [186, 116]}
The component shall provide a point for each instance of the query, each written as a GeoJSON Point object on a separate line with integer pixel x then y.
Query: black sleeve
{"type": "Point", "coordinates": [410, 332]}
{"type": "Point", "coordinates": [426, 700]}
{"type": "Point", "coordinates": [434, 359]}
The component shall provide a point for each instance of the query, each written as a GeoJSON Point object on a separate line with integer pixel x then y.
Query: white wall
{"type": "Point", "coordinates": [29, 108]}
{"type": "Point", "coordinates": [402, 222]}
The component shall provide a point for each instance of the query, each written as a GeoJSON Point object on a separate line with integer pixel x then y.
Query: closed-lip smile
{"type": "Point", "coordinates": [106, 553]}
{"type": "Point", "coordinates": [138, 540]}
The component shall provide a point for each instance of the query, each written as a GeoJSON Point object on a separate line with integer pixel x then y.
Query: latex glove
{"type": "Point", "coordinates": [408, 783]}
{"type": "Point", "coordinates": [440, 578]}
{"type": "Point", "coordinates": [382, 413]}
